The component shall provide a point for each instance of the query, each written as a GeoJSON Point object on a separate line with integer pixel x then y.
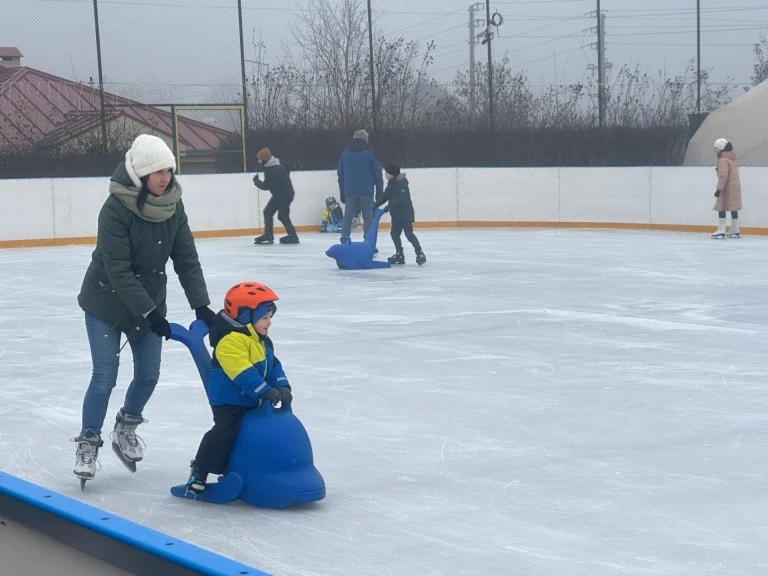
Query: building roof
{"type": "Point", "coordinates": [35, 104]}
{"type": "Point", "coordinates": [743, 122]}
{"type": "Point", "coordinates": [10, 52]}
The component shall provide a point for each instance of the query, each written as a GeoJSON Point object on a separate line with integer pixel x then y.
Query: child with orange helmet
{"type": "Point", "coordinates": [245, 373]}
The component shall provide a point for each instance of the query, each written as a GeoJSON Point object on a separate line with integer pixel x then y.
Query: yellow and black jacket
{"type": "Point", "coordinates": [244, 364]}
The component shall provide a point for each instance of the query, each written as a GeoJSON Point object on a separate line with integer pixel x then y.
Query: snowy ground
{"type": "Point", "coordinates": [543, 403]}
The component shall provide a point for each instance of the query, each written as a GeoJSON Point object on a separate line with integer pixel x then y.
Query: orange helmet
{"type": "Point", "coordinates": [247, 295]}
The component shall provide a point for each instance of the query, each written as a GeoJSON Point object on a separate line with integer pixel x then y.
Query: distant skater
{"type": "Point", "coordinates": [728, 191]}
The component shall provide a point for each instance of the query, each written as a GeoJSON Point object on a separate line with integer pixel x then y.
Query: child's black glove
{"type": "Point", "coordinates": [273, 395]}
{"type": "Point", "coordinates": [159, 325]}
{"type": "Point", "coordinates": [205, 314]}
{"type": "Point", "coordinates": [285, 396]}
{"type": "Point", "coordinates": [717, 193]}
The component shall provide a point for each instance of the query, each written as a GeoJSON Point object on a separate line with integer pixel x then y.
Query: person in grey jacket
{"type": "Point", "coordinates": [141, 225]}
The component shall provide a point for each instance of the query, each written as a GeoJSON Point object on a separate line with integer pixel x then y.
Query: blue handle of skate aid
{"type": "Point", "coordinates": [194, 339]}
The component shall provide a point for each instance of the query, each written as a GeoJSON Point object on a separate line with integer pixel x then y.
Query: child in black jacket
{"type": "Point", "coordinates": [400, 208]}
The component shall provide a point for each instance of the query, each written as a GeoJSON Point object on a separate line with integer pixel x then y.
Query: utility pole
{"type": "Point", "coordinates": [491, 120]}
{"type": "Point", "coordinates": [698, 56]}
{"type": "Point", "coordinates": [473, 23]}
{"type": "Point", "coordinates": [602, 65]}
{"type": "Point", "coordinates": [101, 81]}
{"type": "Point", "coordinates": [244, 80]}
{"type": "Point", "coordinates": [371, 71]}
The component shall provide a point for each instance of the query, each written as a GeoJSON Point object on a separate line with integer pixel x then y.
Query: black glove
{"type": "Point", "coordinates": [285, 396]}
{"type": "Point", "coordinates": [159, 325]}
{"type": "Point", "coordinates": [205, 314]}
{"type": "Point", "coordinates": [256, 179]}
{"type": "Point", "coordinates": [273, 395]}
{"type": "Point", "coordinates": [386, 208]}
{"type": "Point", "coordinates": [343, 199]}
{"type": "Point", "coordinates": [717, 193]}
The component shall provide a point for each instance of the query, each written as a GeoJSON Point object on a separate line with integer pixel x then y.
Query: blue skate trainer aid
{"type": "Point", "coordinates": [359, 255]}
{"type": "Point", "coordinates": [271, 463]}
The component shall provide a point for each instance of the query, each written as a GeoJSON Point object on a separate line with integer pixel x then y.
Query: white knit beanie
{"type": "Point", "coordinates": [147, 154]}
{"type": "Point", "coordinates": [721, 143]}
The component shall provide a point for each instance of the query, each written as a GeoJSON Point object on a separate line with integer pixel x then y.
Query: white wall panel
{"type": "Point", "coordinates": [605, 195]}
{"type": "Point", "coordinates": [312, 188]}
{"type": "Point", "coordinates": [508, 194]}
{"type": "Point", "coordinates": [754, 196]}
{"type": "Point", "coordinates": [26, 209]}
{"type": "Point", "coordinates": [433, 191]}
{"type": "Point", "coordinates": [220, 201]}
{"type": "Point", "coordinates": [69, 207]}
{"type": "Point", "coordinates": [77, 205]}
{"type": "Point", "coordinates": [683, 195]}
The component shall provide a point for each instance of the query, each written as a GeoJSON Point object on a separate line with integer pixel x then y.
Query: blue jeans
{"type": "Point", "coordinates": [354, 205]}
{"type": "Point", "coordinates": [105, 349]}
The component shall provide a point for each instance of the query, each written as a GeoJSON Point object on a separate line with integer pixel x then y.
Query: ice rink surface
{"type": "Point", "coordinates": [529, 402]}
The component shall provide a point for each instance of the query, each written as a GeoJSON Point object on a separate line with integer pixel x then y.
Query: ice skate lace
{"type": "Point", "coordinates": [84, 454]}
{"type": "Point", "coordinates": [130, 436]}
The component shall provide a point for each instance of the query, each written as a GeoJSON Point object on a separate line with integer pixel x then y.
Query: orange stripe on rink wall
{"type": "Point", "coordinates": [85, 240]}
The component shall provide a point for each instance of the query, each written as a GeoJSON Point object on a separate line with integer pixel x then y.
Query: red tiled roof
{"type": "Point", "coordinates": [10, 52]}
{"type": "Point", "coordinates": [34, 104]}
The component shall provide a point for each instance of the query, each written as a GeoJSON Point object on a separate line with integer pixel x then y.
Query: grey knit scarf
{"type": "Point", "coordinates": [156, 208]}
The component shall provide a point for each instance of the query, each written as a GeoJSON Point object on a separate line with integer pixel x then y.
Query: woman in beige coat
{"type": "Point", "coordinates": [728, 192]}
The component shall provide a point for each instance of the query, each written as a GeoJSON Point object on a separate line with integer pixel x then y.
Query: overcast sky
{"type": "Point", "coordinates": [188, 50]}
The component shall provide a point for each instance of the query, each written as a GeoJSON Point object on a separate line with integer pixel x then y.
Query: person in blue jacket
{"type": "Point", "coordinates": [245, 373]}
{"type": "Point", "coordinates": [359, 173]}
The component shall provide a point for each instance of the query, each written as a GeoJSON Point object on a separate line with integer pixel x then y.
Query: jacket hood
{"type": "Point", "coordinates": [358, 145]}
{"type": "Point", "coordinates": [731, 155]}
{"type": "Point", "coordinates": [223, 325]}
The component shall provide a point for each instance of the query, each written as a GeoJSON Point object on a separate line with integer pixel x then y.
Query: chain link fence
{"type": "Point", "coordinates": [529, 82]}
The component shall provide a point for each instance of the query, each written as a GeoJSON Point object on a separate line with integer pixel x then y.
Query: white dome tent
{"type": "Point", "coordinates": [744, 122]}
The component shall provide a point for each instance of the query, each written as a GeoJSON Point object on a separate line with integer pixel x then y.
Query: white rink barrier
{"type": "Point", "coordinates": [64, 210]}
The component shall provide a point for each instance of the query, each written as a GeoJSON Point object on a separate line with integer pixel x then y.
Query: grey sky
{"type": "Point", "coordinates": [193, 45]}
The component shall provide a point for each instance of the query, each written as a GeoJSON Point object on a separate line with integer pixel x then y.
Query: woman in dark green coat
{"type": "Point", "coordinates": [141, 225]}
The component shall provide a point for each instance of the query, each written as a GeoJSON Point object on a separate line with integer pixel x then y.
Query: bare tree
{"type": "Point", "coordinates": [760, 67]}
{"type": "Point", "coordinates": [334, 58]}
{"type": "Point", "coordinates": [402, 80]}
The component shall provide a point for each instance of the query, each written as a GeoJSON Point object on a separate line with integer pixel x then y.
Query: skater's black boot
{"type": "Point", "coordinates": [420, 258]}
{"type": "Point", "coordinates": [289, 239]}
{"type": "Point", "coordinates": [198, 479]}
{"type": "Point", "coordinates": [397, 258]}
{"type": "Point", "coordinates": [264, 239]}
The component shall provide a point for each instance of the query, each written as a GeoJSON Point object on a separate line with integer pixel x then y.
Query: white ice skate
{"type": "Point", "coordinates": [86, 458]}
{"type": "Point", "coordinates": [128, 447]}
{"type": "Point", "coordinates": [719, 234]}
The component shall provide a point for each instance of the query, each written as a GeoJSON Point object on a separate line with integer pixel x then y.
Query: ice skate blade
{"type": "Point", "coordinates": [82, 484]}
{"type": "Point", "coordinates": [130, 464]}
